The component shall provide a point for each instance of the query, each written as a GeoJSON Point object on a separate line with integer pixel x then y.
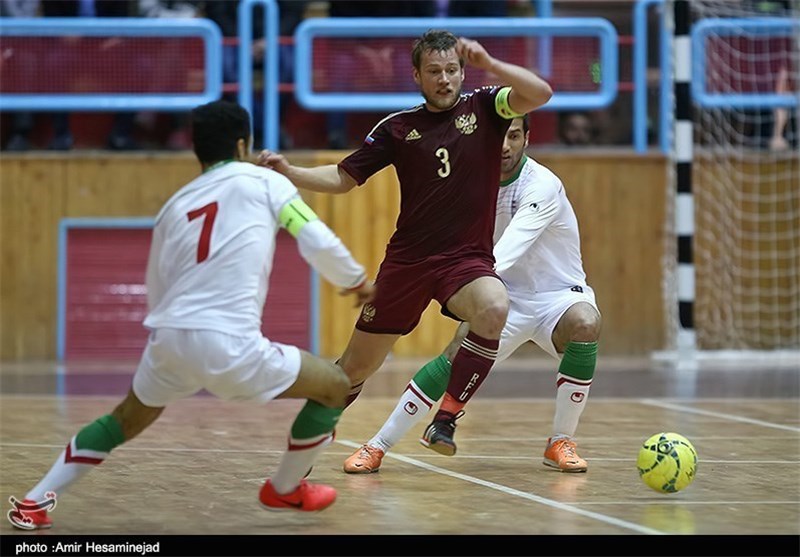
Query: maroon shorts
{"type": "Point", "coordinates": [404, 290]}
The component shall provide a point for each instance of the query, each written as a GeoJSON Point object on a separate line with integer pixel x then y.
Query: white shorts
{"type": "Point", "coordinates": [178, 363]}
{"type": "Point", "coordinates": [535, 316]}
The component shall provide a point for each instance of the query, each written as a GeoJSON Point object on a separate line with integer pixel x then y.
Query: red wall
{"type": "Point", "coordinates": [106, 299]}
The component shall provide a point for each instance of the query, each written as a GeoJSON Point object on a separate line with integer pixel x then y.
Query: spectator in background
{"type": "Point", "coordinates": [774, 129]}
{"type": "Point", "coordinates": [377, 60]}
{"type": "Point", "coordinates": [169, 8]}
{"type": "Point", "coordinates": [225, 13]}
{"type": "Point", "coordinates": [292, 12]}
{"type": "Point", "coordinates": [783, 134]}
{"type": "Point", "coordinates": [575, 128]}
{"type": "Point", "coordinates": [178, 138]}
{"type": "Point", "coordinates": [120, 137]}
{"type": "Point", "coordinates": [475, 8]}
{"type": "Point", "coordinates": [21, 122]}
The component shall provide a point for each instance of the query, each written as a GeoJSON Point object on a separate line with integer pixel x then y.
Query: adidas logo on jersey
{"type": "Point", "coordinates": [412, 135]}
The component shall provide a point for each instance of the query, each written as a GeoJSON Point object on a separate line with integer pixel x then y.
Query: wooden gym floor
{"type": "Point", "coordinates": [198, 469]}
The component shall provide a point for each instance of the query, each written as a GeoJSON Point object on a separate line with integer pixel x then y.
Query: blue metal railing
{"type": "Point", "coordinates": [308, 30]}
{"type": "Point", "coordinates": [544, 9]}
{"type": "Point", "coordinates": [759, 27]}
{"type": "Point", "coordinates": [203, 29]}
{"type": "Point", "coordinates": [640, 89]}
{"type": "Point", "coordinates": [271, 79]}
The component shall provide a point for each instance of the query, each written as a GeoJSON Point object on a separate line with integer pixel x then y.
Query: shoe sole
{"type": "Point", "coordinates": [554, 464]}
{"type": "Point", "coordinates": [441, 448]}
{"type": "Point", "coordinates": [294, 509]}
{"type": "Point", "coordinates": [361, 471]}
{"type": "Point", "coordinates": [38, 527]}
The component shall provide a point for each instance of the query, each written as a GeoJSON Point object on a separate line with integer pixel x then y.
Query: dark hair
{"type": "Point", "coordinates": [216, 128]}
{"type": "Point", "coordinates": [526, 123]}
{"type": "Point", "coordinates": [434, 40]}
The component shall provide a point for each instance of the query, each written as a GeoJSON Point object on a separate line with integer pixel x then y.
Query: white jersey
{"type": "Point", "coordinates": [212, 249]}
{"type": "Point", "coordinates": [537, 244]}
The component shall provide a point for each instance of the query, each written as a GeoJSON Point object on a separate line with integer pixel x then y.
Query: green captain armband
{"type": "Point", "coordinates": [294, 216]}
{"type": "Point", "coordinates": [502, 107]}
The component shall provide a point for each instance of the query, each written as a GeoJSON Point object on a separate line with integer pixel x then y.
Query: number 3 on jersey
{"type": "Point", "coordinates": [210, 213]}
{"type": "Point", "coordinates": [443, 156]}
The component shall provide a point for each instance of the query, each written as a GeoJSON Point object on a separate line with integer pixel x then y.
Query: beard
{"type": "Point", "coordinates": [506, 167]}
{"type": "Point", "coordinates": [443, 103]}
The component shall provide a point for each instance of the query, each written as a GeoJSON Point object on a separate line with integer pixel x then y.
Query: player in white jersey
{"type": "Point", "coordinates": [207, 280]}
{"type": "Point", "coordinates": [537, 253]}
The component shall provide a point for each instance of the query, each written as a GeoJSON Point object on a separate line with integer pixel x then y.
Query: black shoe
{"type": "Point", "coordinates": [439, 434]}
{"type": "Point", "coordinates": [18, 144]}
{"type": "Point", "coordinates": [61, 143]}
{"type": "Point", "coordinates": [122, 143]}
{"type": "Point", "coordinates": [337, 140]}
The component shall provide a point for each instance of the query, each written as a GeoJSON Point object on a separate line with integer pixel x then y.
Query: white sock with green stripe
{"type": "Point", "coordinates": [84, 451]}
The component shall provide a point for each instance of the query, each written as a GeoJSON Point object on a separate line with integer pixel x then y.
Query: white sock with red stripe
{"type": "Point", "coordinates": [575, 373]}
{"type": "Point", "coordinates": [312, 431]}
{"type": "Point", "coordinates": [298, 459]}
{"type": "Point", "coordinates": [571, 396]}
{"type": "Point", "coordinates": [85, 450]}
{"type": "Point", "coordinates": [412, 408]}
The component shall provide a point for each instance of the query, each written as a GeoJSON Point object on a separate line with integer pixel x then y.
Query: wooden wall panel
{"type": "Point", "coordinates": [38, 189]}
{"type": "Point", "coordinates": [619, 199]}
{"type": "Point", "coordinates": [32, 200]}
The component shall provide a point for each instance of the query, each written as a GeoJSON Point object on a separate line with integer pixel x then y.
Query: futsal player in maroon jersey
{"type": "Point", "coordinates": [447, 155]}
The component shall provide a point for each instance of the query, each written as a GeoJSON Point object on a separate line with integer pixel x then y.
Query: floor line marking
{"type": "Point", "coordinates": [732, 417]}
{"type": "Point", "coordinates": [459, 457]}
{"type": "Point", "coordinates": [515, 492]}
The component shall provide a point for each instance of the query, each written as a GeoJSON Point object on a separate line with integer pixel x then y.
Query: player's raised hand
{"type": "Point", "coordinates": [474, 54]}
{"type": "Point", "coordinates": [272, 160]}
{"type": "Point", "coordinates": [364, 293]}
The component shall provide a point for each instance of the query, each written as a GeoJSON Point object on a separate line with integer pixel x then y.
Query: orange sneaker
{"type": "Point", "coordinates": [562, 454]}
{"type": "Point", "coordinates": [33, 520]}
{"type": "Point", "coordinates": [307, 497]}
{"type": "Point", "coordinates": [365, 460]}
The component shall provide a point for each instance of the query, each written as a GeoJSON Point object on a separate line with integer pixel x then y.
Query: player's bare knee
{"type": "Point", "coordinates": [491, 319]}
{"type": "Point", "coordinates": [585, 328]}
{"type": "Point", "coordinates": [338, 388]}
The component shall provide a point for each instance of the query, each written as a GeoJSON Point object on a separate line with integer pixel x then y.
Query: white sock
{"type": "Point", "coordinates": [70, 466]}
{"type": "Point", "coordinates": [571, 395]}
{"type": "Point", "coordinates": [412, 407]}
{"type": "Point", "coordinates": [299, 457]}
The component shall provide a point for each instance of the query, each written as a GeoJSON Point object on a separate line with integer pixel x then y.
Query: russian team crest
{"type": "Point", "coordinates": [467, 123]}
{"type": "Point", "coordinates": [367, 313]}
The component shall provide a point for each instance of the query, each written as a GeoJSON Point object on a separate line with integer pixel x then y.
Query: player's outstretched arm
{"type": "Point", "coordinates": [324, 179]}
{"type": "Point", "coordinates": [528, 90]}
{"type": "Point", "coordinates": [325, 251]}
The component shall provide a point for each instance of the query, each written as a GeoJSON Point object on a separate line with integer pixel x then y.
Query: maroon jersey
{"type": "Point", "coordinates": [448, 165]}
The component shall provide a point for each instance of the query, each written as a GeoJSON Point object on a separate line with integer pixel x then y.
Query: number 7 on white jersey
{"type": "Point", "coordinates": [210, 212]}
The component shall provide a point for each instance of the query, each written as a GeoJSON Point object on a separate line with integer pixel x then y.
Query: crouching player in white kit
{"type": "Point", "coordinates": [537, 253]}
{"type": "Point", "coordinates": [210, 261]}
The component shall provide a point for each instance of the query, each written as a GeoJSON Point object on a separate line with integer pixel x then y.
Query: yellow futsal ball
{"type": "Point", "coordinates": [667, 462]}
